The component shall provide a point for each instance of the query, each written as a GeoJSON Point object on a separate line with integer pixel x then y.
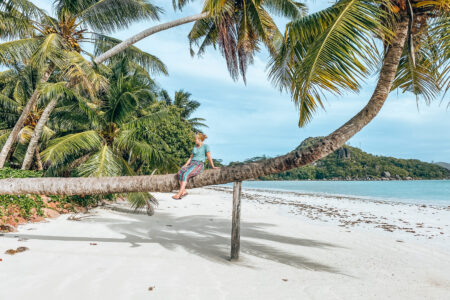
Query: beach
{"type": "Point", "coordinates": [293, 246]}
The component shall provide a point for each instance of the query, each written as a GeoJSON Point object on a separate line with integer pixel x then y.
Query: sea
{"type": "Point", "coordinates": [433, 192]}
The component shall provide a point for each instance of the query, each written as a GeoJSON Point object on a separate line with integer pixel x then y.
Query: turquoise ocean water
{"type": "Point", "coordinates": [435, 192]}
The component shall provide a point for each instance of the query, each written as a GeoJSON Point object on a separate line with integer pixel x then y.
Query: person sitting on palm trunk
{"type": "Point", "coordinates": [194, 165]}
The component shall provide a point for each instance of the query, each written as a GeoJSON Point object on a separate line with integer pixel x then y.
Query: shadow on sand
{"type": "Point", "coordinates": [202, 235]}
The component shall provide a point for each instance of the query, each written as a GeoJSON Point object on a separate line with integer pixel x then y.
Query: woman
{"type": "Point", "coordinates": [194, 165]}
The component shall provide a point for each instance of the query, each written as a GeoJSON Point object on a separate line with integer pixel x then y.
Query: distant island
{"type": "Point", "coordinates": [351, 163]}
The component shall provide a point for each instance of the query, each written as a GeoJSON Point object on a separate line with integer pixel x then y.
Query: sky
{"type": "Point", "coordinates": [256, 119]}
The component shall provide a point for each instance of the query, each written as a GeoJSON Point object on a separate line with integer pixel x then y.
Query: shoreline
{"type": "Point", "coordinates": [383, 200]}
{"type": "Point", "coordinates": [414, 221]}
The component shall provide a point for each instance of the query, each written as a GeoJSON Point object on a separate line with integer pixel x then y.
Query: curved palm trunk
{"type": "Point", "coordinates": [19, 124]}
{"type": "Point", "coordinates": [143, 34]}
{"type": "Point", "coordinates": [166, 183]}
{"type": "Point", "coordinates": [32, 146]}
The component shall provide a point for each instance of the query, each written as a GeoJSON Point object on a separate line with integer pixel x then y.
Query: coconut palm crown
{"type": "Point", "coordinates": [334, 49]}
{"type": "Point", "coordinates": [238, 27]}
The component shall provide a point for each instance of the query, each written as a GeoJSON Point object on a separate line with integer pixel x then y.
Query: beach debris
{"type": "Point", "coordinates": [18, 250]}
{"type": "Point", "coordinates": [76, 218]}
{"type": "Point", "coordinates": [151, 288]}
{"type": "Point", "coordinates": [1, 259]}
{"type": "Point", "coordinates": [93, 244]}
{"type": "Point", "coordinates": [284, 279]}
{"type": "Point", "coordinates": [400, 241]}
{"type": "Point", "coordinates": [22, 239]}
{"type": "Point", "coordinates": [168, 225]}
{"type": "Point", "coordinates": [7, 228]}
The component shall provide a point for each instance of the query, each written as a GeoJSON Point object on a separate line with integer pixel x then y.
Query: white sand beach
{"type": "Point", "coordinates": [293, 246]}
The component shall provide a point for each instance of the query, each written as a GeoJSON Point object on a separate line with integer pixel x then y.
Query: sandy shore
{"type": "Point", "coordinates": [292, 247]}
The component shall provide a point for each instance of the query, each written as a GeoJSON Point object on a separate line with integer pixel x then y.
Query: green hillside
{"type": "Point", "coordinates": [351, 163]}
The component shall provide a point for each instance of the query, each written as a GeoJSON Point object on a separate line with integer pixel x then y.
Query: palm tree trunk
{"type": "Point", "coordinates": [143, 34]}
{"type": "Point", "coordinates": [37, 134]}
{"type": "Point", "coordinates": [38, 160]}
{"type": "Point", "coordinates": [294, 159]}
{"type": "Point", "coordinates": [19, 124]}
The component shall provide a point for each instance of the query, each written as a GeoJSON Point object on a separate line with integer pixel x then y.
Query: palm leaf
{"type": "Point", "coordinates": [50, 49]}
{"type": "Point", "coordinates": [71, 144]}
{"type": "Point", "coordinates": [18, 51]}
{"type": "Point", "coordinates": [4, 134]}
{"type": "Point", "coordinates": [101, 164]}
{"type": "Point", "coordinates": [140, 200]}
{"type": "Point", "coordinates": [147, 120]}
{"type": "Point", "coordinates": [110, 15]}
{"type": "Point", "coordinates": [286, 8]}
{"type": "Point", "coordinates": [331, 50]}
{"type": "Point", "coordinates": [150, 62]}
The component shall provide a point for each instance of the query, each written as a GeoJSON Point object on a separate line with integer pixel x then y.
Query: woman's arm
{"type": "Point", "coordinates": [208, 154]}
{"type": "Point", "coordinates": [188, 161]}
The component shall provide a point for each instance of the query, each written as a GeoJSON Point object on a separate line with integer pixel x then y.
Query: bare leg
{"type": "Point", "coordinates": [182, 189]}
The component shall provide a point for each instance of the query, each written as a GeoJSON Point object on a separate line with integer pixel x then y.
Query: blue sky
{"type": "Point", "coordinates": [256, 119]}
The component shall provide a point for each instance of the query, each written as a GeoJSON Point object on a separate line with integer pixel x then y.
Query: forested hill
{"type": "Point", "coordinates": [351, 163]}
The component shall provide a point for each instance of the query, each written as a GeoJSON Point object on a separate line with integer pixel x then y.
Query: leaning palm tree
{"type": "Point", "coordinates": [332, 50]}
{"type": "Point", "coordinates": [42, 40]}
{"type": "Point", "coordinates": [106, 138]}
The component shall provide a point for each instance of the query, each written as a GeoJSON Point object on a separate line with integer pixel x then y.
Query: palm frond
{"type": "Point", "coordinates": [422, 78]}
{"type": "Point", "coordinates": [71, 144]}
{"type": "Point", "coordinates": [25, 134]}
{"type": "Point", "coordinates": [17, 51]}
{"type": "Point", "coordinates": [331, 50]}
{"type": "Point", "coordinates": [286, 8]}
{"type": "Point", "coordinates": [24, 9]}
{"type": "Point", "coordinates": [111, 15]}
{"type": "Point", "coordinates": [50, 49]}
{"type": "Point", "coordinates": [4, 134]}
{"type": "Point", "coordinates": [101, 164]}
{"type": "Point", "coordinates": [14, 25]}
{"type": "Point", "coordinates": [83, 75]}
{"type": "Point", "coordinates": [140, 200]}
{"type": "Point", "coordinates": [151, 63]}
{"type": "Point", "coordinates": [147, 120]}
{"type": "Point", "coordinates": [9, 104]}
{"type": "Point", "coordinates": [179, 4]}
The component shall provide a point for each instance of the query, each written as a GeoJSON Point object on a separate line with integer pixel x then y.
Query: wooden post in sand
{"type": "Point", "coordinates": [235, 226]}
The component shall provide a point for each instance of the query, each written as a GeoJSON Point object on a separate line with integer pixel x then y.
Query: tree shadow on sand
{"type": "Point", "coordinates": [202, 235]}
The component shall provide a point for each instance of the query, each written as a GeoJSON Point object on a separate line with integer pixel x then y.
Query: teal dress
{"type": "Point", "coordinates": [196, 165]}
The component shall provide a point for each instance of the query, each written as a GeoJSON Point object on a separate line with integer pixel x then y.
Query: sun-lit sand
{"type": "Point", "coordinates": [292, 247]}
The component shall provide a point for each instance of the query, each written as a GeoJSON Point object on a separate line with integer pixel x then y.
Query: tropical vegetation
{"type": "Point", "coordinates": [54, 43]}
